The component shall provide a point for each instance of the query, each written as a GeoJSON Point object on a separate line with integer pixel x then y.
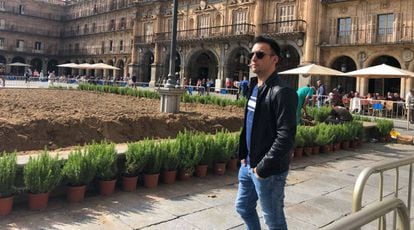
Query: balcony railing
{"type": "Point", "coordinates": [235, 30]}
{"type": "Point", "coordinates": [96, 50]}
{"type": "Point", "coordinates": [30, 30]}
{"type": "Point", "coordinates": [284, 27]}
{"type": "Point", "coordinates": [402, 34]}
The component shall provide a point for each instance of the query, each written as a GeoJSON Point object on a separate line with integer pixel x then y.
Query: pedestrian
{"type": "Point", "coordinates": [320, 93]}
{"type": "Point", "coordinates": [266, 139]}
{"type": "Point", "coordinates": [304, 94]}
{"type": "Point", "coordinates": [409, 105]}
{"type": "Point", "coordinates": [244, 86]}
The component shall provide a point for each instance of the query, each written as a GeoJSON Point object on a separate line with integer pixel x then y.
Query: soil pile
{"type": "Point", "coordinates": [31, 119]}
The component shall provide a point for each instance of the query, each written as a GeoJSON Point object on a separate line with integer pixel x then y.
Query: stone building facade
{"type": "Point", "coordinates": [213, 39]}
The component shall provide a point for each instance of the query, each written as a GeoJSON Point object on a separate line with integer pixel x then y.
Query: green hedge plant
{"type": "Point", "coordinates": [135, 158]}
{"type": "Point", "coordinates": [8, 169]}
{"type": "Point", "coordinates": [153, 156]}
{"type": "Point", "coordinates": [169, 150]}
{"type": "Point", "coordinates": [79, 168]}
{"type": "Point", "coordinates": [105, 160]}
{"type": "Point", "coordinates": [43, 173]}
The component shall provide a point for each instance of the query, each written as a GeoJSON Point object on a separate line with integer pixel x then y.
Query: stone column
{"type": "Point", "coordinates": [311, 33]}
{"type": "Point", "coordinates": [156, 66]}
{"type": "Point", "coordinates": [170, 99]}
{"type": "Point", "coordinates": [258, 16]}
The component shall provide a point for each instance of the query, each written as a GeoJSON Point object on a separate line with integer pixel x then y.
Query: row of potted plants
{"type": "Point", "coordinates": [187, 153]}
{"type": "Point", "coordinates": [327, 138]}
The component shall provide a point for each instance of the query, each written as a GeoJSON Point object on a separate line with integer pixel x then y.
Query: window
{"type": "Point", "coordinates": [344, 30]}
{"type": "Point", "coordinates": [38, 46]}
{"type": "Point", "coordinates": [19, 44]}
{"type": "Point", "coordinates": [2, 5]}
{"type": "Point", "coordinates": [122, 24]}
{"type": "Point", "coordinates": [285, 17]}
{"type": "Point", "coordinates": [93, 27]}
{"type": "Point", "coordinates": [148, 32]}
{"type": "Point", "coordinates": [85, 29]}
{"type": "Point", "coordinates": [2, 43]}
{"type": "Point", "coordinates": [203, 25]}
{"type": "Point", "coordinates": [76, 47]}
{"type": "Point", "coordinates": [385, 22]}
{"type": "Point", "coordinates": [240, 22]}
{"type": "Point", "coordinates": [110, 45]}
{"type": "Point", "coordinates": [112, 25]}
{"type": "Point", "coordinates": [2, 24]}
{"type": "Point", "coordinates": [21, 9]}
{"type": "Point", "coordinates": [121, 45]}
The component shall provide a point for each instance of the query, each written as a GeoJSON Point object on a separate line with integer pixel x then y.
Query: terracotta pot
{"type": "Point", "coordinates": [360, 142]}
{"type": "Point", "coordinates": [184, 174]}
{"type": "Point", "coordinates": [6, 205]}
{"type": "Point", "coordinates": [298, 152]}
{"type": "Point", "coordinates": [38, 201]}
{"type": "Point", "coordinates": [307, 151]}
{"type": "Point", "coordinates": [129, 183]}
{"type": "Point", "coordinates": [219, 168]}
{"type": "Point", "coordinates": [151, 180]}
{"type": "Point", "coordinates": [345, 144]}
{"type": "Point", "coordinates": [75, 194]}
{"type": "Point", "coordinates": [232, 164]}
{"type": "Point", "coordinates": [353, 144]}
{"type": "Point", "coordinates": [168, 177]}
{"type": "Point", "coordinates": [315, 149]}
{"type": "Point", "coordinates": [201, 170]}
{"type": "Point", "coordinates": [107, 187]}
{"type": "Point", "coordinates": [337, 146]}
{"type": "Point", "coordinates": [326, 148]}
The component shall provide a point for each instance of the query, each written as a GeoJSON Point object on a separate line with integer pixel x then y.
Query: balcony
{"type": "Point", "coordinates": [29, 30]}
{"type": "Point", "coordinates": [285, 29]}
{"type": "Point", "coordinates": [208, 33]}
{"type": "Point", "coordinates": [96, 51]}
{"type": "Point", "coordinates": [371, 36]}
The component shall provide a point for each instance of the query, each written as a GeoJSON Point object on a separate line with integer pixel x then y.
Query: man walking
{"type": "Point", "coordinates": [266, 140]}
{"type": "Point", "coordinates": [320, 93]}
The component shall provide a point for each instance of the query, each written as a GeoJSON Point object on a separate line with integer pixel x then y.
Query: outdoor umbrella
{"type": "Point", "coordinates": [104, 66]}
{"type": "Point", "coordinates": [68, 65]}
{"type": "Point", "coordinates": [84, 66]}
{"type": "Point", "coordinates": [380, 71]}
{"type": "Point", "coordinates": [312, 69]}
{"type": "Point", "coordinates": [18, 64]}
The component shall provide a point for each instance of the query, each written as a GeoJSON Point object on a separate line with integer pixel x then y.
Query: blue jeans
{"type": "Point", "coordinates": [270, 192]}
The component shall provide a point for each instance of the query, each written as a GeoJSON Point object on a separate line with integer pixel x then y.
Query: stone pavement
{"type": "Point", "coordinates": [319, 192]}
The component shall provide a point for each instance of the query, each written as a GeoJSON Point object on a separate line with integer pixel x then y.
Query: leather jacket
{"type": "Point", "coordinates": [274, 127]}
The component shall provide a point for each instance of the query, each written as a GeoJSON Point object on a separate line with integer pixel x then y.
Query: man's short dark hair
{"type": "Point", "coordinates": [270, 41]}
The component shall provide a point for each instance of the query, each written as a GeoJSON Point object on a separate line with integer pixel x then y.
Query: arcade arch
{"type": "Point", "coordinates": [343, 64]}
{"type": "Point", "coordinates": [384, 85]}
{"type": "Point", "coordinates": [202, 64]}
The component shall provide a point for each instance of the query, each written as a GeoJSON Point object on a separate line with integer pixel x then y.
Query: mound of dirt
{"type": "Point", "coordinates": [31, 119]}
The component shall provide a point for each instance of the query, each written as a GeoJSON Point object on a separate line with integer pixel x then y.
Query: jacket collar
{"type": "Point", "coordinates": [271, 81]}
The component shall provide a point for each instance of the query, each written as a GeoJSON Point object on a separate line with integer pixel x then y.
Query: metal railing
{"type": "Point", "coordinates": [373, 212]}
{"type": "Point", "coordinates": [397, 34]}
{"type": "Point", "coordinates": [241, 29]}
{"type": "Point", "coordinates": [380, 169]}
{"type": "Point", "coordinates": [284, 27]}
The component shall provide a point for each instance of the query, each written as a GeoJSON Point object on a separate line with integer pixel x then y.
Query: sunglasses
{"type": "Point", "coordinates": [259, 54]}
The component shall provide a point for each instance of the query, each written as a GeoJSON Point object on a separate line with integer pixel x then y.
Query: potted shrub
{"type": "Point", "coordinates": [153, 164]}
{"type": "Point", "coordinates": [78, 171]}
{"type": "Point", "coordinates": [308, 136]}
{"type": "Point", "coordinates": [187, 157]}
{"type": "Point", "coordinates": [105, 161]}
{"type": "Point", "coordinates": [8, 169]}
{"type": "Point", "coordinates": [169, 153]}
{"type": "Point", "coordinates": [347, 135]}
{"type": "Point", "coordinates": [135, 160]}
{"type": "Point", "coordinates": [384, 128]}
{"type": "Point", "coordinates": [299, 142]}
{"type": "Point", "coordinates": [41, 175]}
{"type": "Point", "coordinates": [201, 151]}
{"type": "Point", "coordinates": [231, 148]}
{"type": "Point", "coordinates": [324, 137]}
{"type": "Point", "coordinates": [221, 156]}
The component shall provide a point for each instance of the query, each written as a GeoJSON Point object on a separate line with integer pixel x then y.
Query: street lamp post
{"type": "Point", "coordinates": [171, 92]}
{"type": "Point", "coordinates": [172, 81]}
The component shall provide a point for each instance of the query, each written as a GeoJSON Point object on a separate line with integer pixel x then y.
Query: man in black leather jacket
{"type": "Point", "coordinates": [266, 140]}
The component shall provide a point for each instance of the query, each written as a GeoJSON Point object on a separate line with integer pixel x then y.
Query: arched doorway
{"type": "Point", "coordinates": [238, 64]}
{"type": "Point", "coordinates": [203, 64]}
{"type": "Point", "coordinates": [289, 59]}
{"type": "Point", "coordinates": [384, 85]}
{"type": "Point", "coordinates": [177, 64]}
{"type": "Point", "coordinates": [99, 72]}
{"type": "Point", "coordinates": [2, 60]}
{"type": "Point", "coordinates": [120, 72]}
{"type": "Point", "coordinates": [92, 71]}
{"type": "Point", "coordinates": [343, 64]}
{"type": "Point", "coordinates": [52, 66]}
{"type": "Point", "coordinates": [36, 64]}
{"type": "Point", "coordinates": [2, 65]}
{"type": "Point", "coordinates": [18, 70]}
{"type": "Point", "coordinates": [110, 71]}
{"type": "Point", "coordinates": [148, 59]}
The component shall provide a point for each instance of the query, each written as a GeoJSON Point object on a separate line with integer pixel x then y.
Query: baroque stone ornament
{"type": "Point", "coordinates": [203, 4]}
{"type": "Point", "coordinates": [407, 55]}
